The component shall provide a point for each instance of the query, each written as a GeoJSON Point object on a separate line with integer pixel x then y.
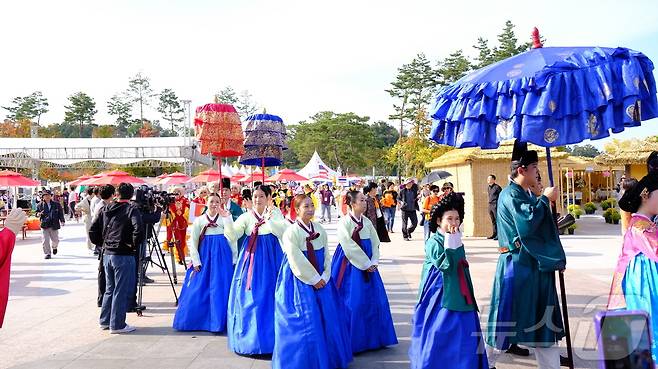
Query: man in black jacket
{"type": "Point", "coordinates": [494, 191]}
{"type": "Point", "coordinates": [51, 215]}
{"type": "Point", "coordinates": [408, 201]}
{"type": "Point", "coordinates": [119, 229]}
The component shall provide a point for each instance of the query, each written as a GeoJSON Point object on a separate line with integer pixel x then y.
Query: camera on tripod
{"type": "Point", "coordinates": [148, 198]}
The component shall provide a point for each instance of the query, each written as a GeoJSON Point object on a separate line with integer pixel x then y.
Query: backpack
{"type": "Point", "coordinates": [388, 201]}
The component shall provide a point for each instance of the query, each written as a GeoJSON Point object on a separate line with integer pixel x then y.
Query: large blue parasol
{"type": "Point", "coordinates": [549, 96]}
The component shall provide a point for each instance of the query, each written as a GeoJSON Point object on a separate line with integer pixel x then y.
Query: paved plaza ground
{"type": "Point", "coordinates": [52, 318]}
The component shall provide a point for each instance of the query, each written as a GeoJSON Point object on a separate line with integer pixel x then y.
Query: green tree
{"type": "Point", "coordinates": [139, 92]}
{"type": "Point", "coordinates": [105, 131]}
{"type": "Point", "coordinates": [171, 110]}
{"type": "Point", "coordinates": [27, 107]}
{"type": "Point", "coordinates": [227, 96]}
{"type": "Point", "coordinates": [454, 67]}
{"type": "Point", "coordinates": [343, 140]}
{"type": "Point", "coordinates": [81, 110]}
{"type": "Point", "coordinates": [586, 150]}
{"type": "Point", "coordinates": [385, 134]}
{"type": "Point", "coordinates": [413, 87]}
{"type": "Point", "coordinates": [121, 107]}
{"type": "Point", "coordinates": [508, 43]}
{"type": "Point", "coordinates": [246, 105]}
{"type": "Point", "coordinates": [485, 56]}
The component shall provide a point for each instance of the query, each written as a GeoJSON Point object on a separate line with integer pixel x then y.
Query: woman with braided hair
{"type": "Point", "coordinates": [204, 297]}
{"type": "Point", "coordinates": [251, 302]}
{"type": "Point", "coordinates": [445, 326]}
{"type": "Point", "coordinates": [310, 319]}
{"type": "Point", "coordinates": [354, 271]}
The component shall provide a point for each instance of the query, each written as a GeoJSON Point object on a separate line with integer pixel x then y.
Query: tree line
{"type": "Point", "coordinates": [127, 107]}
{"type": "Point", "coordinates": [346, 140]}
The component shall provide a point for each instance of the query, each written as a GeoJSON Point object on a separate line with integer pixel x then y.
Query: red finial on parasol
{"type": "Point", "coordinates": [536, 42]}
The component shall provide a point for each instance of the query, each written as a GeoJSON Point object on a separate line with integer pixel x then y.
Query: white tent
{"type": "Point", "coordinates": [315, 167]}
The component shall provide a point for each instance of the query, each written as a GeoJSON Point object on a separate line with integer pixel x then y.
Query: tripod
{"type": "Point", "coordinates": [153, 246]}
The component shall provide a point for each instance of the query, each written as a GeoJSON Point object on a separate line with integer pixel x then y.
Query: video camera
{"type": "Point", "coordinates": [149, 198]}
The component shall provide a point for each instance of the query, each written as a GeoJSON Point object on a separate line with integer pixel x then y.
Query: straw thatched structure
{"type": "Point", "coordinates": [631, 154]}
{"type": "Point", "coordinates": [470, 168]}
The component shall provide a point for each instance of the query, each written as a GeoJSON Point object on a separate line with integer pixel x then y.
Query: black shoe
{"type": "Point", "coordinates": [54, 251]}
{"type": "Point", "coordinates": [491, 237]}
{"type": "Point", "coordinates": [47, 256]}
{"type": "Point", "coordinates": [518, 351]}
{"type": "Point", "coordinates": [147, 280]}
{"type": "Point", "coordinates": [564, 361]}
{"type": "Point", "coordinates": [495, 238]}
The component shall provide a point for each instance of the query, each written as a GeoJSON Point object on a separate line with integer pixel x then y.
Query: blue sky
{"type": "Point", "coordinates": [295, 57]}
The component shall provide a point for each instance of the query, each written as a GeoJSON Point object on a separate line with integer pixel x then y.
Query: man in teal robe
{"type": "Point", "coordinates": [524, 304]}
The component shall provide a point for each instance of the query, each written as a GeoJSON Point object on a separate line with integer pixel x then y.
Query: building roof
{"type": "Point", "coordinates": [502, 153]}
{"type": "Point", "coordinates": [629, 152]}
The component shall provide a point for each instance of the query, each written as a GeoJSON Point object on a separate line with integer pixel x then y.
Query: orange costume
{"type": "Point", "coordinates": [176, 222]}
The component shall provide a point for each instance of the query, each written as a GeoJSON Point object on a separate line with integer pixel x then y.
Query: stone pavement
{"type": "Point", "coordinates": [52, 318]}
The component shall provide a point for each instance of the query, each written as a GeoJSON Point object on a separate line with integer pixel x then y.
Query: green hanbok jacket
{"type": "Point", "coordinates": [452, 264]}
{"type": "Point", "coordinates": [524, 304]}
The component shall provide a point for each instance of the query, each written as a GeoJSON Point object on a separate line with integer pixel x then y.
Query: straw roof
{"type": "Point", "coordinates": [502, 153]}
{"type": "Point", "coordinates": [627, 152]}
{"type": "Point", "coordinates": [583, 163]}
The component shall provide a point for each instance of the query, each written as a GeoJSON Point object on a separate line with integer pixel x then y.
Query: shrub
{"type": "Point", "coordinates": [605, 205]}
{"type": "Point", "coordinates": [590, 208]}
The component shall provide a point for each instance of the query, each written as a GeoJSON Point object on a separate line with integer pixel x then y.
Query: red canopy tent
{"type": "Point", "coordinates": [255, 177]}
{"type": "Point", "coordinates": [78, 180]}
{"type": "Point", "coordinates": [13, 179]}
{"type": "Point", "coordinates": [287, 175]}
{"type": "Point", "coordinates": [173, 179]}
{"type": "Point", "coordinates": [210, 175]}
{"type": "Point", "coordinates": [114, 177]}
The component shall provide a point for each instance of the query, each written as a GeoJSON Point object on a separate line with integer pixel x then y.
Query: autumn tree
{"type": "Point", "coordinates": [13, 128]}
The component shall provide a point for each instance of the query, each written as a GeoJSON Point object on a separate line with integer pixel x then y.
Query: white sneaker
{"type": "Point", "coordinates": [126, 329]}
{"type": "Point", "coordinates": [104, 326]}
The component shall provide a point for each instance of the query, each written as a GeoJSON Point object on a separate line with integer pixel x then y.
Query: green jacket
{"type": "Point", "coordinates": [448, 262]}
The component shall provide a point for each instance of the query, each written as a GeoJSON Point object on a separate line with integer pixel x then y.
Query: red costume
{"type": "Point", "coordinates": [7, 241]}
{"type": "Point", "coordinates": [176, 222]}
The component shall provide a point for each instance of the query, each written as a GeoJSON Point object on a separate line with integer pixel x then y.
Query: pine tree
{"type": "Point", "coordinates": [508, 43]}
{"type": "Point", "coordinates": [454, 67]}
{"type": "Point", "coordinates": [485, 56]}
{"type": "Point", "coordinates": [81, 110]}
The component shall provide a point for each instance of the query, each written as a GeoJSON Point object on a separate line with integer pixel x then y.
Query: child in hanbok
{"type": "Point", "coordinates": [635, 279]}
{"type": "Point", "coordinates": [203, 301]}
{"type": "Point", "coordinates": [354, 271]}
{"type": "Point", "coordinates": [445, 326]}
{"type": "Point", "coordinates": [251, 302]}
{"type": "Point", "coordinates": [310, 321]}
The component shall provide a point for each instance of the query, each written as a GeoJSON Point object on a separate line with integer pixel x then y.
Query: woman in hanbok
{"type": "Point", "coordinates": [354, 271]}
{"type": "Point", "coordinates": [203, 301]}
{"type": "Point", "coordinates": [635, 279]}
{"type": "Point", "coordinates": [445, 326]}
{"type": "Point", "coordinates": [251, 302]}
{"type": "Point", "coordinates": [310, 321]}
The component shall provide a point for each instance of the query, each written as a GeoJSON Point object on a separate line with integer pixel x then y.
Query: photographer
{"type": "Point", "coordinates": [150, 204]}
{"type": "Point", "coordinates": [51, 215]}
{"type": "Point", "coordinates": [119, 228]}
{"type": "Point", "coordinates": [106, 193]}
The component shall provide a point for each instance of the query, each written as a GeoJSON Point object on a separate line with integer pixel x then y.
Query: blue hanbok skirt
{"type": "Point", "coordinates": [370, 318]}
{"type": "Point", "coordinates": [442, 338]}
{"type": "Point", "coordinates": [251, 312]}
{"type": "Point", "coordinates": [310, 326]}
{"type": "Point", "coordinates": [640, 287]}
{"type": "Point", "coordinates": [204, 297]}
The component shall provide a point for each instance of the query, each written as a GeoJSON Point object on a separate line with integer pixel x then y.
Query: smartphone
{"type": "Point", "coordinates": [624, 339]}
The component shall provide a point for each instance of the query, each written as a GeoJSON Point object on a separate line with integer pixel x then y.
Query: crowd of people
{"type": "Point", "coordinates": [260, 269]}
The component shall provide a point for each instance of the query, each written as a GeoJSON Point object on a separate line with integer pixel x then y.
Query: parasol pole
{"type": "Point", "coordinates": [262, 167]}
{"type": "Point", "coordinates": [536, 43]}
{"type": "Point", "coordinates": [221, 182]}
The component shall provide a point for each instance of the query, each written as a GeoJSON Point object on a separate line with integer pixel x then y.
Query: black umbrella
{"type": "Point", "coordinates": [434, 176]}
